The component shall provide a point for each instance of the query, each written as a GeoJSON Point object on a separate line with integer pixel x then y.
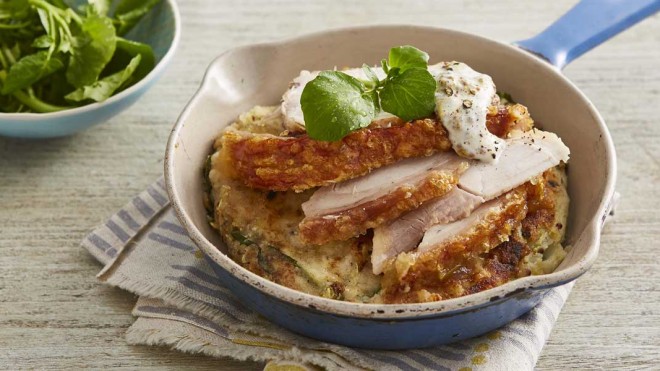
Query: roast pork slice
{"type": "Point", "coordinates": [341, 196]}
{"type": "Point", "coordinates": [527, 155]}
{"type": "Point", "coordinates": [450, 250]}
{"type": "Point", "coordinates": [405, 233]}
{"type": "Point", "coordinates": [347, 209]}
{"type": "Point", "coordinates": [441, 233]}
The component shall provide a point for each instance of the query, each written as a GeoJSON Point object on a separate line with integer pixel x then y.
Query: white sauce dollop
{"type": "Point", "coordinates": [291, 107]}
{"type": "Point", "coordinates": [462, 100]}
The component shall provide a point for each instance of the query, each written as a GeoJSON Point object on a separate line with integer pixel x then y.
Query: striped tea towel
{"type": "Point", "coordinates": [182, 305]}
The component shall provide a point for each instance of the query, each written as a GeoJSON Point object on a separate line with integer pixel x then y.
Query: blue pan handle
{"type": "Point", "coordinates": [586, 26]}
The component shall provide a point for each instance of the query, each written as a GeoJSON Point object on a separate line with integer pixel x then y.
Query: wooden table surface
{"type": "Point", "coordinates": [54, 314]}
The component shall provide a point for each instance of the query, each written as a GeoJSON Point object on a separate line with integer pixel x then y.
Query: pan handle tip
{"type": "Point", "coordinates": [585, 26]}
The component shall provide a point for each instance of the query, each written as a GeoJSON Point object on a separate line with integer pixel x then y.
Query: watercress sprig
{"type": "Point", "coordinates": [334, 103]}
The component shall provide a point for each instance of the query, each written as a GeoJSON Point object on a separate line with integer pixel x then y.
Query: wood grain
{"type": "Point", "coordinates": [54, 314]}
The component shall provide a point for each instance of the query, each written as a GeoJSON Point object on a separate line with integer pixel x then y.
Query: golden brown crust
{"type": "Point", "coordinates": [487, 256]}
{"type": "Point", "coordinates": [502, 120]}
{"type": "Point", "coordinates": [299, 163]}
{"type": "Point", "coordinates": [357, 220]}
{"type": "Point", "coordinates": [500, 265]}
{"type": "Point", "coordinates": [429, 270]}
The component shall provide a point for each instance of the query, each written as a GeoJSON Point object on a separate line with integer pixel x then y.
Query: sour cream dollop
{"type": "Point", "coordinates": [462, 100]}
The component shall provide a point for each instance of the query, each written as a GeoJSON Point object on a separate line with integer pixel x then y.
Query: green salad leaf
{"type": "Point", "coordinates": [93, 47]}
{"type": "Point", "coordinates": [43, 42]}
{"type": "Point", "coordinates": [129, 13]}
{"type": "Point", "coordinates": [101, 7]}
{"type": "Point", "coordinates": [29, 70]}
{"type": "Point", "coordinates": [133, 49]}
{"type": "Point", "coordinates": [335, 104]}
{"type": "Point", "coordinates": [106, 87]}
{"type": "Point", "coordinates": [54, 57]}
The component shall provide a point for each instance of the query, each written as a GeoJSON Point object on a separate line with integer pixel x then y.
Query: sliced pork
{"type": "Point", "coordinates": [527, 155]}
{"type": "Point", "coordinates": [440, 234]}
{"type": "Point", "coordinates": [347, 209]}
{"type": "Point", "coordinates": [405, 233]}
{"type": "Point", "coordinates": [451, 246]}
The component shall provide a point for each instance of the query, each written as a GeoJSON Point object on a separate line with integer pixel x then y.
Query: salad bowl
{"type": "Point", "coordinates": [160, 29]}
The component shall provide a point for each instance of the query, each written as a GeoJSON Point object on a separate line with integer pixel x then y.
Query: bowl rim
{"type": "Point", "coordinates": [396, 311]}
{"type": "Point", "coordinates": [154, 73]}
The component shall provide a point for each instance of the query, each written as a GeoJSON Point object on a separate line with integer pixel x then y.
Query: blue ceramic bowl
{"type": "Point", "coordinates": [160, 29]}
{"type": "Point", "coordinates": [258, 74]}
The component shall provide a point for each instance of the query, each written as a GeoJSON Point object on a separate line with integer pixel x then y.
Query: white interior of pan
{"type": "Point", "coordinates": [260, 74]}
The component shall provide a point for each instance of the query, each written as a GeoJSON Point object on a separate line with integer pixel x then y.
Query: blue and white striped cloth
{"type": "Point", "coordinates": [182, 305]}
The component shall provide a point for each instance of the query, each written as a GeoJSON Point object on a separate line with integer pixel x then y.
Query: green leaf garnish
{"type": "Point", "coordinates": [405, 57]}
{"type": "Point", "coordinates": [372, 80]}
{"type": "Point", "coordinates": [334, 103]}
{"type": "Point", "coordinates": [385, 66]}
{"type": "Point", "coordinates": [410, 94]}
